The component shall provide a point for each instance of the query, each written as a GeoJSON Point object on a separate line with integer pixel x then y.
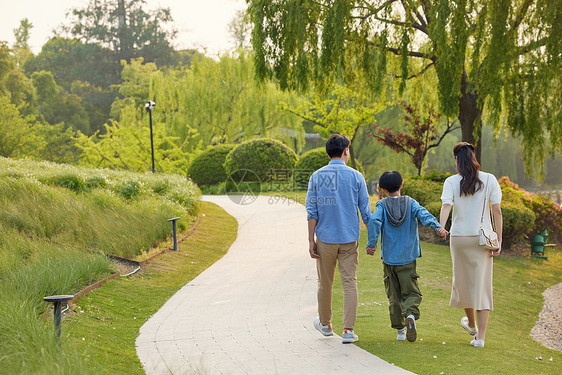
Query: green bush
{"type": "Point", "coordinates": [425, 192]}
{"type": "Point", "coordinates": [208, 168]}
{"type": "Point", "coordinates": [311, 161]}
{"type": "Point", "coordinates": [518, 220]}
{"type": "Point", "coordinates": [547, 214]}
{"type": "Point", "coordinates": [260, 157]}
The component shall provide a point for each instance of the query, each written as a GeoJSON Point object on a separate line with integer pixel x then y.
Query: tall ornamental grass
{"type": "Point", "coordinates": [57, 223]}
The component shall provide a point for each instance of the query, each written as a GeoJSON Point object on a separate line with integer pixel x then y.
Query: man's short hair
{"type": "Point", "coordinates": [390, 181]}
{"type": "Point", "coordinates": [336, 144]}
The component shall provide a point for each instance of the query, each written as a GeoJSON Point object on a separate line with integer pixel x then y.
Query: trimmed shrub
{"type": "Point", "coordinates": [311, 161]}
{"type": "Point", "coordinates": [546, 213]}
{"type": "Point", "coordinates": [426, 192]}
{"type": "Point", "coordinates": [208, 168]}
{"type": "Point", "coordinates": [260, 157]}
{"type": "Point", "coordinates": [518, 220]}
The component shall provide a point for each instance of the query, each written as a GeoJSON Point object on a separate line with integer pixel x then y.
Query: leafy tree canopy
{"type": "Point", "coordinates": [125, 27]}
{"type": "Point", "coordinates": [495, 58]}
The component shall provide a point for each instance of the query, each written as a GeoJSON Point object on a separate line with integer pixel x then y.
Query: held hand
{"type": "Point", "coordinates": [495, 253]}
{"type": "Point", "coordinates": [371, 250]}
{"type": "Point", "coordinates": [442, 232]}
{"type": "Point", "coordinates": [312, 250]}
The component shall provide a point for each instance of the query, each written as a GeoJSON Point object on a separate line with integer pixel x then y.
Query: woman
{"type": "Point", "coordinates": [470, 191]}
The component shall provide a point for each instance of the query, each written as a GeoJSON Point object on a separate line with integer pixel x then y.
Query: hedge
{"type": "Point", "coordinates": [313, 160]}
{"type": "Point", "coordinates": [518, 220]}
{"type": "Point", "coordinates": [208, 168]}
{"type": "Point", "coordinates": [255, 160]}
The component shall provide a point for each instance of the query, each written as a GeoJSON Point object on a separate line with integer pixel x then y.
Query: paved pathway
{"type": "Point", "coordinates": [252, 311]}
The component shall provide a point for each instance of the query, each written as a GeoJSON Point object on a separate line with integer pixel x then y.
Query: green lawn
{"type": "Point", "coordinates": [106, 322]}
{"type": "Point", "coordinates": [443, 345]}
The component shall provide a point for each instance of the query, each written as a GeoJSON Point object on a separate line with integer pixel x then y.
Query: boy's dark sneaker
{"type": "Point", "coordinates": [411, 333]}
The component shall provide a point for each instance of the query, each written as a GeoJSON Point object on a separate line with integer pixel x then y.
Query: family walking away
{"type": "Point", "coordinates": [336, 202]}
{"type": "Point", "coordinates": [336, 226]}
{"type": "Point", "coordinates": [396, 220]}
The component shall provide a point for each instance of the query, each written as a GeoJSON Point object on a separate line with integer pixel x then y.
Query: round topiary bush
{"type": "Point", "coordinates": [208, 168]}
{"type": "Point", "coordinates": [260, 157]}
{"type": "Point", "coordinates": [313, 160]}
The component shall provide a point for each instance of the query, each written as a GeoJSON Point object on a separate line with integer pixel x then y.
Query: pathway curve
{"type": "Point", "coordinates": [252, 311]}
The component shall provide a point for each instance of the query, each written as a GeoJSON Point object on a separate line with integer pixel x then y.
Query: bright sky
{"type": "Point", "coordinates": [201, 24]}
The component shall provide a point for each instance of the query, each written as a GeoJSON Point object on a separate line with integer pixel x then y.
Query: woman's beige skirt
{"type": "Point", "coordinates": [472, 274]}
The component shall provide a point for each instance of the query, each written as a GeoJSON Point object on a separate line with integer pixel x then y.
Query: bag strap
{"type": "Point", "coordinates": [484, 205]}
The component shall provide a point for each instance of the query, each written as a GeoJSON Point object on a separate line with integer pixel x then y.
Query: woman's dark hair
{"type": "Point", "coordinates": [468, 167]}
{"type": "Point", "coordinates": [336, 144]}
{"type": "Point", "coordinates": [390, 181]}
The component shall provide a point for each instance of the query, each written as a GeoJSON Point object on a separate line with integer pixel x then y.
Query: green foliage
{"type": "Point", "coordinates": [126, 145]}
{"type": "Point", "coordinates": [494, 60]}
{"type": "Point", "coordinates": [312, 160]}
{"type": "Point", "coordinates": [518, 220]}
{"type": "Point", "coordinates": [425, 192]}
{"type": "Point", "coordinates": [138, 33]}
{"type": "Point", "coordinates": [45, 86]}
{"type": "Point", "coordinates": [56, 222]}
{"type": "Point", "coordinates": [261, 157]}
{"type": "Point", "coordinates": [208, 167]}
{"type": "Point", "coordinates": [215, 102]}
{"type": "Point", "coordinates": [547, 214]}
{"type": "Point", "coordinates": [15, 130]}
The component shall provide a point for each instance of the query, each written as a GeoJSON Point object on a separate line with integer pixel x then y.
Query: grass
{"type": "Point", "coordinates": [443, 346]}
{"type": "Point", "coordinates": [106, 322]}
{"type": "Point", "coordinates": [57, 222]}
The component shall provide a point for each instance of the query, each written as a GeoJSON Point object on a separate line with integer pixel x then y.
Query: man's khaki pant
{"type": "Point", "coordinates": [346, 257]}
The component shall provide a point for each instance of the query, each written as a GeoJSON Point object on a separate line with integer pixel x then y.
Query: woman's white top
{"type": "Point", "coordinates": [467, 210]}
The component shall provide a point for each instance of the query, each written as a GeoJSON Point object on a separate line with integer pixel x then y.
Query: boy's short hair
{"type": "Point", "coordinates": [390, 181]}
{"type": "Point", "coordinates": [336, 144]}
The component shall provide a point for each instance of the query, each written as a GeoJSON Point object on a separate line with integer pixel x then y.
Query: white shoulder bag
{"type": "Point", "coordinates": [488, 238]}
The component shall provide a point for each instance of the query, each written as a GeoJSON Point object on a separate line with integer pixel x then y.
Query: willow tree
{"type": "Point", "coordinates": [496, 59]}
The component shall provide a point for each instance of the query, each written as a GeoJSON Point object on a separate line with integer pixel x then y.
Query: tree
{"type": "Point", "coordinates": [21, 46]}
{"type": "Point", "coordinates": [344, 111]}
{"type": "Point", "coordinates": [45, 87]}
{"type": "Point", "coordinates": [491, 58]}
{"type": "Point", "coordinates": [126, 145]}
{"type": "Point", "coordinates": [125, 27]}
{"type": "Point", "coordinates": [15, 130]}
{"type": "Point", "coordinates": [423, 135]}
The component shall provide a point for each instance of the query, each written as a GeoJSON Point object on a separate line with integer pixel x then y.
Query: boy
{"type": "Point", "coordinates": [396, 218]}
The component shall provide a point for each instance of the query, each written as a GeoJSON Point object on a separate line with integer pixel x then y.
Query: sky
{"type": "Point", "coordinates": [201, 24]}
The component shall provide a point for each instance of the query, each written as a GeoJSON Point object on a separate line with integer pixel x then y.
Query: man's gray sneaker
{"type": "Point", "coordinates": [325, 330]}
{"type": "Point", "coordinates": [401, 334]}
{"type": "Point", "coordinates": [348, 336]}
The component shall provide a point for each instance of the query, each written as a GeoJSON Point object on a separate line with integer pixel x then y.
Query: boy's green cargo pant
{"type": "Point", "coordinates": [404, 296]}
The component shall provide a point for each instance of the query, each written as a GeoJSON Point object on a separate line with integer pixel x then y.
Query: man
{"type": "Point", "coordinates": [335, 192]}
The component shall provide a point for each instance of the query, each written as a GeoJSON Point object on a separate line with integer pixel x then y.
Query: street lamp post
{"type": "Point", "coordinates": [149, 106]}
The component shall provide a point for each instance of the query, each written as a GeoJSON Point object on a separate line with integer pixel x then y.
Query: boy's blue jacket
{"type": "Point", "coordinates": [396, 218]}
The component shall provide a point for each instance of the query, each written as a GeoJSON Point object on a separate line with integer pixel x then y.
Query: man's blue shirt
{"type": "Point", "coordinates": [335, 193]}
{"type": "Point", "coordinates": [399, 244]}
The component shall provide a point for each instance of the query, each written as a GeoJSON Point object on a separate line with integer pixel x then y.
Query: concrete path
{"type": "Point", "coordinates": [252, 311]}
